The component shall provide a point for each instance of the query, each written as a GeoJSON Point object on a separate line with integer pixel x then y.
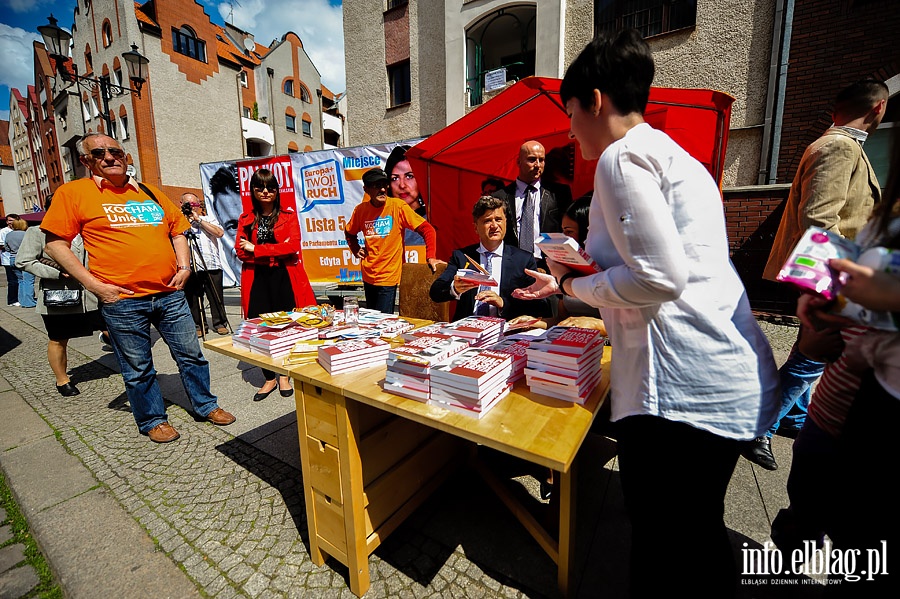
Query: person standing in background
{"type": "Point", "coordinates": [6, 259]}
{"type": "Point", "coordinates": [25, 280]}
{"type": "Point", "coordinates": [381, 218]}
{"type": "Point", "coordinates": [835, 188]}
{"type": "Point", "coordinates": [206, 278]}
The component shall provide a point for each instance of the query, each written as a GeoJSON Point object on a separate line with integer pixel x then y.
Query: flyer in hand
{"type": "Point", "coordinates": [561, 248]}
{"type": "Point", "coordinates": [475, 277]}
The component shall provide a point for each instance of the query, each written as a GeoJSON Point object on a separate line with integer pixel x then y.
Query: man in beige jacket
{"type": "Point", "coordinates": [835, 188]}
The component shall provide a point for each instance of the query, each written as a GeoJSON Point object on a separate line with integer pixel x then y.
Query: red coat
{"type": "Point", "coordinates": [285, 250]}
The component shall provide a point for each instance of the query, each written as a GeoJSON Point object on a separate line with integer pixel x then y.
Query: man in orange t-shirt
{"type": "Point", "coordinates": [382, 219]}
{"type": "Point", "coordinates": [139, 263]}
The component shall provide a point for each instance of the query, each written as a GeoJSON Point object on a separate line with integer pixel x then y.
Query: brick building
{"type": "Point", "coordinates": [20, 144]}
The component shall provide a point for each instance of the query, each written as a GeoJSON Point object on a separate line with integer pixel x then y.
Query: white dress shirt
{"type": "Point", "coordinates": [686, 346]}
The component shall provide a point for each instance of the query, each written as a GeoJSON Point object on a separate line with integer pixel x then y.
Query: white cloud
{"type": "Point", "coordinates": [22, 6]}
{"type": "Point", "coordinates": [318, 23]}
{"type": "Point", "coordinates": [17, 66]}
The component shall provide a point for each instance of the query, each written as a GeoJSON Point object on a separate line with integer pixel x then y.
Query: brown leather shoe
{"type": "Point", "coordinates": [220, 417]}
{"type": "Point", "coordinates": [222, 330]}
{"type": "Point", "coordinates": [163, 433]}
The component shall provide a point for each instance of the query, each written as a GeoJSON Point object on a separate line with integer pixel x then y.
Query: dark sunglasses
{"type": "Point", "coordinates": [100, 153]}
{"type": "Point", "coordinates": [261, 189]}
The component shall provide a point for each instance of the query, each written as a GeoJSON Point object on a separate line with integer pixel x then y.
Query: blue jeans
{"type": "Point", "coordinates": [797, 377]}
{"type": "Point", "coordinates": [12, 289]}
{"type": "Point", "coordinates": [128, 321]}
{"type": "Point", "coordinates": [380, 297]}
{"type": "Point", "coordinates": [25, 293]}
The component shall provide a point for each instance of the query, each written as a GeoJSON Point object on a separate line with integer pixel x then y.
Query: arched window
{"type": "Point", "coordinates": [304, 94]}
{"type": "Point", "coordinates": [88, 59]}
{"type": "Point", "coordinates": [107, 34]}
{"type": "Point", "coordinates": [290, 122]}
{"type": "Point", "coordinates": [288, 87]}
{"type": "Point", "coordinates": [307, 125]}
{"type": "Point", "coordinates": [186, 42]}
{"type": "Point", "coordinates": [504, 39]}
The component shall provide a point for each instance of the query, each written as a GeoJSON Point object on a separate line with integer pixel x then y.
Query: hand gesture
{"type": "Point", "coordinates": [544, 286]}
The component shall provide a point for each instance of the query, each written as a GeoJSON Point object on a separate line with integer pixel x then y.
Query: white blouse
{"type": "Point", "coordinates": [686, 346]}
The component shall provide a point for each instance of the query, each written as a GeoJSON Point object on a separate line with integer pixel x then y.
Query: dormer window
{"type": "Point", "coordinates": [186, 42]}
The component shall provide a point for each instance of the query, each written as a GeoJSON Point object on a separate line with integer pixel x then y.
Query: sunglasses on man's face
{"type": "Point", "coordinates": [100, 153]}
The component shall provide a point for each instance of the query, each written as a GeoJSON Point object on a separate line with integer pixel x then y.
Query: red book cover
{"type": "Point", "coordinates": [561, 248]}
{"type": "Point", "coordinates": [351, 349]}
{"type": "Point", "coordinates": [473, 371]}
{"type": "Point", "coordinates": [428, 349]}
{"type": "Point", "coordinates": [474, 326]}
{"type": "Point", "coordinates": [569, 340]}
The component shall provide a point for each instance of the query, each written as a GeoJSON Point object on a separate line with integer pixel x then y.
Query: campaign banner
{"type": "Point", "coordinates": [324, 187]}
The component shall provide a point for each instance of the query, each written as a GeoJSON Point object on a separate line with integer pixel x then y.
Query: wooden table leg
{"type": "Point", "coordinates": [352, 490]}
{"type": "Point", "coordinates": [566, 570]}
{"type": "Point", "coordinates": [315, 552]}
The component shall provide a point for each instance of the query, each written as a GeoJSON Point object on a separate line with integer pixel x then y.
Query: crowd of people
{"type": "Point", "coordinates": [691, 369]}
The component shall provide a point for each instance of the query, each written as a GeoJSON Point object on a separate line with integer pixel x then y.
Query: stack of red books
{"type": "Point", "coordinates": [409, 366]}
{"type": "Point", "coordinates": [429, 329]}
{"type": "Point", "coordinates": [517, 348]}
{"type": "Point", "coordinates": [241, 336]}
{"type": "Point", "coordinates": [471, 382]}
{"type": "Point", "coordinates": [358, 354]}
{"type": "Point", "coordinates": [278, 343]}
{"type": "Point", "coordinates": [392, 327]}
{"type": "Point", "coordinates": [479, 331]}
{"type": "Point", "coordinates": [565, 363]}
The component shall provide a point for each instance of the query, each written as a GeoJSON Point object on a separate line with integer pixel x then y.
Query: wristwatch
{"type": "Point", "coordinates": [180, 267]}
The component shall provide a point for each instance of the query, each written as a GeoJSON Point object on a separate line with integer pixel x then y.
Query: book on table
{"type": "Point", "coordinates": [429, 329]}
{"type": "Point", "coordinates": [475, 411]}
{"type": "Point", "coordinates": [568, 340]}
{"type": "Point", "coordinates": [428, 350]}
{"type": "Point", "coordinates": [479, 330]}
{"type": "Point", "coordinates": [561, 248]}
{"type": "Point", "coordinates": [471, 370]}
{"type": "Point", "coordinates": [518, 349]}
{"type": "Point", "coordinates": [353, 355]}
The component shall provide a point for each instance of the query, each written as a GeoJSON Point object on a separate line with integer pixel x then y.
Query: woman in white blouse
{"type": "Point", "coordinates": [692, 373]}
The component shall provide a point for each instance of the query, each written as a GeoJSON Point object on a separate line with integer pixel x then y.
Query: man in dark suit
{"type": "Point", "coordinates": [505, 263]}
{"type": "Point", "coordinates": [531, 205]}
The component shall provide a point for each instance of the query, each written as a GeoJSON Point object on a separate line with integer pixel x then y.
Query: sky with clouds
{"type": "Point", "coordinates": [318, 23]}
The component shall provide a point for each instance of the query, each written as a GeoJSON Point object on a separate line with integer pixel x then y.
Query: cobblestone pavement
{"type": "Point", "coordinates": [233, 517]}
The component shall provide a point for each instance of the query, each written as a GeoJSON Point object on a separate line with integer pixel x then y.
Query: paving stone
{"type": "Point", "coordinates": [18, 582]}
{"type": "Point", "coordinates": [11, 555]}
{"type": "Point", "coordinates": [5, 533]}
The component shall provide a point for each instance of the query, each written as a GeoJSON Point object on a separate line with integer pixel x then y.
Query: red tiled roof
{"type": "Point", "coordinates": [142, 16]}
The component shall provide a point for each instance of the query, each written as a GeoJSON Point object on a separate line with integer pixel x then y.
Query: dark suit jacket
{"type": "Point", "coordinates": [555, 200]}
{"type": "Point", "coordinates": [513, 276]}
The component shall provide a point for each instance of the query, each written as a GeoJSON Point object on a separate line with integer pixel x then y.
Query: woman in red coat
{"type": "Point", "coordinates": [272, 278]}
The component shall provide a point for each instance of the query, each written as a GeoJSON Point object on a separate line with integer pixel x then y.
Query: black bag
{"type": "Point", "coordinates": [62, 297]}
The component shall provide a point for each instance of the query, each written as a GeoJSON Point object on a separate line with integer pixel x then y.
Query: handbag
{"type": "Point", "coordinates": [62, 297]}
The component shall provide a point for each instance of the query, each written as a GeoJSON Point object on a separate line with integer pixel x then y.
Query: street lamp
{"type": "Point", "coordinates": [57, 39]}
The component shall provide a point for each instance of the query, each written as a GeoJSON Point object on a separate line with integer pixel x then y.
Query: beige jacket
{"type": "Point", "coordinates": [835, 188]}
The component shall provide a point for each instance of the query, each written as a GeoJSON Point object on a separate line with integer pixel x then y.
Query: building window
{"type": "Point", "coordinates": [185, 42]}
{"type": "Point", "coordinates": [395, 3]}
{"type": "Point", "coordinates": [398, 80]}
{"type": "Point", "coordinates": [112, 128]}
{"type": "Point", "coordinates": [307, 128]}
{"type": "Point", "coordinates": [123, 119]}
{"type": "Point", "coordinates": [288, 87]}
{"type": "Point", "coordinates": [244, 82]}
{"type": "Point", "coordinates": [246, 112]}
{"type": "Point", "coordinates": [290, 122]}
{"type": "Point", "coordinates": [649, 17]}
{"type": "Point", "coordinates": [88, 60]}
{"type": "Point", "coordinates": [504, 39]}
{"type": "Point", "coordinates": [304, 94]}
{"type": "Point", "coordinates": [107, 34]}
{"type": "Point", "coordinates": [117, 76]}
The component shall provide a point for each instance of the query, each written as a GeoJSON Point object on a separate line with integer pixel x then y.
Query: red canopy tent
{"type": "Point", "coordinates": [485, 143]}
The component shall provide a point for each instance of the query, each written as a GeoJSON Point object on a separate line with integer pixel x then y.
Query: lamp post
{"type": "Point", "coordinates": [57, 39]}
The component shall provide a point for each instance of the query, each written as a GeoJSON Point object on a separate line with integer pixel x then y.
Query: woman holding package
{"type": "Point", "coordinates": [272, 278]}
{"type": "Point", "coordinates": [692, 373]}
{"type": "Point", "coordinates": [63, 322]}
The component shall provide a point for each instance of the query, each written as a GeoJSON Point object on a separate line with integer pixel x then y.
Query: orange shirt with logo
{"type": "Point", "coordinates": [383, 228]}
{"type": "Point", "coordinates": [127, 235]}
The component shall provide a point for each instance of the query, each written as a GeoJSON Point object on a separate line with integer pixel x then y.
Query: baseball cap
{"type": "Point", "coordinates": [373, 176]}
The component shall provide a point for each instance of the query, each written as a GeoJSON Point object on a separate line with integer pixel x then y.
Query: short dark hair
{"type": "Point", "coordinates": [485, 204]}
{"type": "Point", "coordinates": [620, 67]}
{"type": "Point", "coordinates": [398, 154]}
{"type": "Point", "coordinates": [264, 178]}
{"type": "Point", "coordinates": [492, 181]}
{"type": "Point", "coordinates": [579, 211]}
{"type": "Point", "coordinates": [224, 179]}
{"type": "Point", "coordinates": [12, 215]}
{"type": "Point", "coordinates": [857, 99]}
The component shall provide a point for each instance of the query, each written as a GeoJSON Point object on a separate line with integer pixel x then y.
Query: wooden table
{"type": "Point", "coordinates": [370, 458]}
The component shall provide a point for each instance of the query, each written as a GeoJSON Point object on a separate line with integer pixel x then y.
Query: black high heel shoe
{"type": "Point", "coordinates": [67, 389]}
{"type": "Point", "coordinates": [261, 395]}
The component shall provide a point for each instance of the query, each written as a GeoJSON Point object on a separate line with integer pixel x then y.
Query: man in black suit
{"type": "Point", "coordinates": [530, 204]}
{"type": "Point", "coordinates": [506, 264]}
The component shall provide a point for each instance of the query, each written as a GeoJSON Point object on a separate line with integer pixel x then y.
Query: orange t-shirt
{"type": "Point", "coordinates": [383, 231]}
{"type": "Point", "coordinates": [126, 234]}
